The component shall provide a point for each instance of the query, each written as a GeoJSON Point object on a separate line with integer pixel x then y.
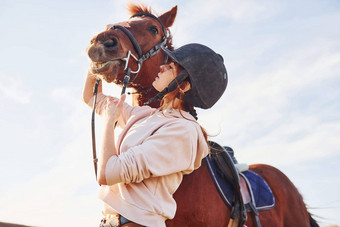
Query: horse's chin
{"type": "Point", "coordinates": [107, 71]}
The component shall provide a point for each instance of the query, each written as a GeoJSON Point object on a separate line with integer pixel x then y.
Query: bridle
{"type": "Point", "coordinates": [139, 60]}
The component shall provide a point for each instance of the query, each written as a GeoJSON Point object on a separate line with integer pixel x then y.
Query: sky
{"type": "Point", "coordinates": [281, 106]}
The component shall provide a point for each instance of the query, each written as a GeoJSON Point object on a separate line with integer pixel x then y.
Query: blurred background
{"type": "Point", "coordinates": [281, 106]}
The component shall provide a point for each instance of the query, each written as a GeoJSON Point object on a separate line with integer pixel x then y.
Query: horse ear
{"type": "Point", "coordinates": [168, 18]}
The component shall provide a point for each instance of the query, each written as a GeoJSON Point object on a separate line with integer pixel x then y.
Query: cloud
{"type": "Point", "coordinates": [281, 106]}
{"type": "Point", "coordinates": [13, 88]}
{"type": "Point", "coordinates": [62, 196]}
{"type": "Point", "coordinates": [286, 110]}
{"type": "Point", "coordinates": [231, 10]}
{"type": "Point", "coordinates": [201, 17]}
{"type": "Point", "coordinates": [65, 194]}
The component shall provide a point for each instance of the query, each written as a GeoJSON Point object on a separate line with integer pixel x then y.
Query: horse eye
{"type": "Point", "coordinates": [154, 30]}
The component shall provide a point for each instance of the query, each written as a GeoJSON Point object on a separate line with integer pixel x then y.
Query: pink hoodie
{"type": "Point", "coordinates": [155, 149]}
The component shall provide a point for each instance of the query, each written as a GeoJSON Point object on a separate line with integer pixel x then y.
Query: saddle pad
{"type": "Point", "coordinates": [262, 194]}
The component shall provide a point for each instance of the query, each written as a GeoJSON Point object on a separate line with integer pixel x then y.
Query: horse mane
{"type": "Point", "coordinates": [137, 8]}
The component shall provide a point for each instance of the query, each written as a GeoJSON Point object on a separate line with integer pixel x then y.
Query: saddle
{"type": "Point", "coordinates": [230, 182]}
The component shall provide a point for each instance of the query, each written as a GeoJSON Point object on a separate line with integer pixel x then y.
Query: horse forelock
{"type": "Point", "coordinates": [138, 8]}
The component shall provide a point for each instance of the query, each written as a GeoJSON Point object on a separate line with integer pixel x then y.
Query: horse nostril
{"type": "Point", "coordinates": [110, 43]}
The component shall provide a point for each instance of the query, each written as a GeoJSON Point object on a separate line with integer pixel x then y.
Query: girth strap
{"type": "Point", "coordinates": [250, 206]}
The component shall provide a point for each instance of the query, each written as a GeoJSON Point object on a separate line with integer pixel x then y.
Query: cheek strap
{"type": "Point", "coordinates": [171, 87]}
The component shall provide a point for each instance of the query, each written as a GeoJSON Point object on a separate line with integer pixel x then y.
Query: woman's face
{"type": "Point", "coordinates": [166, 74]}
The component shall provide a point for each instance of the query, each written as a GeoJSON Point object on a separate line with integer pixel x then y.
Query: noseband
{"type": "Point", "coordinates": [139, 60]}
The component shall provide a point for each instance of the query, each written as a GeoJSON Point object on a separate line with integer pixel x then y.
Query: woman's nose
{"type": "Point", "coordinates": [161, 68]}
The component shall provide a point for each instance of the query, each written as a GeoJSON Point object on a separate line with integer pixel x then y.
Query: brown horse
{"type": "Point", "coordinates": [198, 201]}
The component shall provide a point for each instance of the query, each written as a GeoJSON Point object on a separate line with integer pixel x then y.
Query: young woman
{"type": "Point", "coordinates": [140, 173]}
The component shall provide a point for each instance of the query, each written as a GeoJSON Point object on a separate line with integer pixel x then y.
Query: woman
{"type": "Point", "coordinates": [140, 173]}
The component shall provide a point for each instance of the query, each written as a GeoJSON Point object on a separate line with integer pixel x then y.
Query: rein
{"type": "Point", "coordinates": [139, 60]}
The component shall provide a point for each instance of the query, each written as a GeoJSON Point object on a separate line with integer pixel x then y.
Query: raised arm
{"type": "Point", "coordinates": [111, 114]}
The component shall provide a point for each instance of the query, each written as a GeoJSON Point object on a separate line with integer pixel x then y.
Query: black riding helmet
{"type": "Point", "coordinates": [206, 71]}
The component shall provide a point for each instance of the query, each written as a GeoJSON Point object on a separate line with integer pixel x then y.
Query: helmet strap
{"type": "Point", "coordinates": [171, 87]}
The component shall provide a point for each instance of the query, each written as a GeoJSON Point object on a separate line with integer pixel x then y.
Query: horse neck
{"type": "Point", "coordinates": [138, 99]}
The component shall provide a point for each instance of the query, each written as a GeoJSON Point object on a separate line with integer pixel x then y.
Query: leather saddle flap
{"type": "Point", "coordinates": [262, 195]}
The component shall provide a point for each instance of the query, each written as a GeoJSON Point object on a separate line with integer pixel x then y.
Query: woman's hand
{"type": "Point", "coordinates": [89, 85]}
{"type": "Point", "coordinates": [94, 77]}
{"type": "Point", "coordinates": [90, 75]}
{"type": "Point", "coordinates": [113, 109]}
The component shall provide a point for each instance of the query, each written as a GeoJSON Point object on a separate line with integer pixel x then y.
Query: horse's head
{"type": "Point", "coordinates": [108, 50]}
